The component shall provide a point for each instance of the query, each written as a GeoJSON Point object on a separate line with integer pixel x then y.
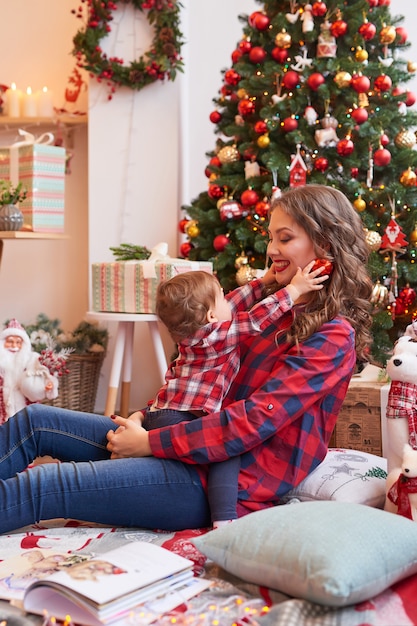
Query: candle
{"type": "Point", "coordinates": [45, 105]}
{"type": "Point", "coordinates": [29, 104]}
{"type": "Point", "coordinates": [13, 98]}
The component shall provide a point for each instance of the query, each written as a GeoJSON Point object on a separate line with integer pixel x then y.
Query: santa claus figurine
{"type": "Point", "coordinates": [23, 378]}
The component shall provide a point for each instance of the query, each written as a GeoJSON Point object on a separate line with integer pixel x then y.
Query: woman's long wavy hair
{"type": "Point", "coordinates": [337, 233]}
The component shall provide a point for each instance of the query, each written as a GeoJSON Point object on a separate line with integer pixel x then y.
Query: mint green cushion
{"type": "Point", "coordinates": [331, 553]}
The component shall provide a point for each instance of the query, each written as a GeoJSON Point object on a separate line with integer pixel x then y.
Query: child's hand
{"type": "Point", "coordinates": [306, 280]}
{"type": "Point", "coordinates": [128, 440]}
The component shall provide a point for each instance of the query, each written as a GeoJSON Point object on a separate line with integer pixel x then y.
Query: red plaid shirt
{"type": "Point", "coordinates": [209, 361]}
{"type": "Point", "coordinates": [279, 415]}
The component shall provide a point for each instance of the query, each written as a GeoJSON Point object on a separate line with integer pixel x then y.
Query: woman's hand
{"type": "Point", "coordinates": [129, 440]}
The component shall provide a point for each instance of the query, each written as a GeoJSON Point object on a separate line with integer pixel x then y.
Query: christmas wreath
{"type": "Point", "coordinates": [161, 61]}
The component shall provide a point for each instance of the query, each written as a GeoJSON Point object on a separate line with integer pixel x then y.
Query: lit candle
{"type": "Point", "coordinates": [13, 98]}
{"type": "Point", "coordinates": [29, 104]}
{"type": "Point", "coordinates": [45, 105]}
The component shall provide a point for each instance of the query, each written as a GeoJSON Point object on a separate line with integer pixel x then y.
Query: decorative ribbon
{"type": "Point", "coordinates": [29, 140]}
{"type": "Point", "coordinates": [160, 254]}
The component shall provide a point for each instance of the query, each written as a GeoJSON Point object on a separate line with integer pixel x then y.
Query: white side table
{"type": "Point", "coordinates": [123, 353]}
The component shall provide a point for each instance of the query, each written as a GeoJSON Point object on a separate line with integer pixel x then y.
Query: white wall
{"type": "Point", "coordinates": [146, 156]}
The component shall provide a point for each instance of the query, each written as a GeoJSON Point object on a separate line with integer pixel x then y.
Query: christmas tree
{"type": "Point", "coordinates": [315, 93]}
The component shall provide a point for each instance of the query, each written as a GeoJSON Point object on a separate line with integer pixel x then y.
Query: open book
{"type": "Point", "coordinates": [107, 589]}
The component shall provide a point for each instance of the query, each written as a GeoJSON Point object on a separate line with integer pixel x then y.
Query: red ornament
{"type": "Point", "coordinates": [231, 77]}
{"type": "Point", "coordinates": [215, 192]}
{"type": "Point", "coordinates": [220, 242]}
{"type": "Point", "coordinates": [291, 79]}
{"type": "Point", "coordinates": [384, 3]}
{"type": "Point", "coordinates": [324, 263]}
{"type": "Point", "coordinates": [232, 210]}
{"type": "Point", "coordinates": [373, 3]}
{"type": "Point", "coordinates": [185, 249]}
{"type": "Point", "coordinates": [259, 20]}
{"type": "Point", "coordinates": [262, 208]}
{"type": "Point", "coordinates": [360, 115]}
{"type": "Point", "coordinates": [393, 237]}
{"type": "Point", "coordinates": [236, 55]}
{"type": "Point", "coordinates": [249, 197]}
{"type": "Point", "coordinates": [215, 117]}
{"type": "Point", "coordinates": [182, 224]}
{"type": "Point", "coordinates": [321, 164]}
{"type": "Point", "coordinates": [411, 98]}
{"type": "Point", "coordinates": [280, 55]}
{"type": "Point", "coordinates": [407, 295]}
{"type": "Point", "coordinates": [338, 28]}
{"type": "Point", "coordinates": [245, 46]}
{"type": "Point", "coordinates": [345, 147]}
{"type": "Point", "coordinates": [354, 172]}
{"type": "Point", "coordinates": [246, 107]}
{"type": "Point", "coordinates": [383, 82]}
{"type": "Point", "coordinates": [298, 170]}
{"type": "Point", "coordinates": [260, 127]}
{"type": "Point", "coordinates": [360, 83]}
{"type": "Point", "coordinates": [289, 124]}
{"type": "Point", "coordinates": [315, 80]}
{"type": "Point", "coordinates": [384, 140]}
{"type": "Point", "coordinates": [382, 157]}
{"type": "Point", "coordinates": [398, 91]}
{"type": "Point", "coordinates": [367, 30]}
{"type": "Point", "coordinates": [257, 55]}
{"type": "Point", "coordinates": [319, 9]}
{"type": "Point", "coordinates": [401, 34]}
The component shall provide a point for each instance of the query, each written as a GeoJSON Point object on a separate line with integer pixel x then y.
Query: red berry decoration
{"type": "Point", "coordinates": [215, 117]}
{"type": "Point", "coordinates": [215, 192]}
{"type": "Point", "coordinates": [291, 79]}
{"type": "Point", "coordinates": [382, 157]}
{"type": "Point", "coordinates": [354, 172]}
{"type": "Point", "coordinates": [245, 46]}
{"type": "Point", "coordinates": [383, 83]}
{"type": "Point", "coordinates": [338, 28]}
{"type": "Point", "coordinates": [367, 30]}
{"type": "Point", "coordinates": [319, 9]}
{"type": "Point", "coordinates": [259, 20]}
{"type": "Point", "coordinates": [289, 124]}
{"type": "Point", "coordinates": [260, 127]}
{"type": "Point", "coordinates": [220, 242]}
{"type": "Point", "coordinates": [231, 77]}
{"type": "Point", "coordinates": [280, 55]}
{"type": "Point", "coordinates": [249, 197]}
{"type": "Point", "coordinates": [345, 147]}
{"type": "Point", "coordinates": [321, 164]}
{"type": "Point", "coordinates": [257, 55]}
{"type": "Point", "coordinates": [185, 249]}
{"type": "Point", "coordinates": [360, 83]}
{"type": "Point", "coordinates": [246, 107]}
{"type": "Point", "coordinates": [360, 115]}
{"type": "Point", "coordinates": [315, 80]}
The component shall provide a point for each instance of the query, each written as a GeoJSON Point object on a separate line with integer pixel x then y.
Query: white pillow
{"type": "Point", "coordinates": [331, 553]}
{"type": "Point", "coordinates": [345, 476]}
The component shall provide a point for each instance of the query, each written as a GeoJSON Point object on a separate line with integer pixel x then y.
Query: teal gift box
{"type": "Point", "coordinates": [41, 169]}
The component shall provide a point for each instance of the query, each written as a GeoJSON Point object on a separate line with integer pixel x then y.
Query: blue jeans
{"type": "Point", "coordinates": [88, 485]}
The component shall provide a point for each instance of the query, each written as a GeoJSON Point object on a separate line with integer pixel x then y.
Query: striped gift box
{"type": "Point", "coordinates": [41, 169]}
{"type": "Point", "coordinates": [122, 286]}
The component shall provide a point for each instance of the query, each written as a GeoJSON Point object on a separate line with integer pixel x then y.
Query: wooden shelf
{"type": "Point", "coordinates": [23, 234]}
{"type": "Point", "coordinates": [68, 120]}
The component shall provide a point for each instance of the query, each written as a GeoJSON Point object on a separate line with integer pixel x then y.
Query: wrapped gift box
{"type": "Point", "coordinates": [130, 286]}
{"type": "Point", "coordinates": [41, 169]}
{"type": "Point", "coordinates": [359, 425]}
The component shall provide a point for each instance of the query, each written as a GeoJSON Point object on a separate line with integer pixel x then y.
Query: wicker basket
{"type": "Point", "coordinates": [78, 388]}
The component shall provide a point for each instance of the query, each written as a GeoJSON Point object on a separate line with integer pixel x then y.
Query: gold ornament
{"type": "Point", "coordinates": [373, 240]}
{"type": "Point", "coordinates": [411, 67]}
{"type": "Point", "coordinates": [359, 204]}
{"type": "Point", "coordinates": [192, 229]}
{"type": "Point", "coordinates": [387, 34]}
{"type": "Point", "coordinates": [379, 296]}
{"type": "Point", "coordinates": [228, 154]}
{"type": "Point", "coordinates": [342, 79]}
{"type": "Point", "coordinates": [283, 39]}
{"type": "Point", "coordinates": [363, 100]}
{"type": "Point", "coordinates": [242, 93]}
{"type": "Point", "coordinates": [213, 177]}
{"type": "Point", "coordinates": [241, 260]}
{"type": "Point", "coordinates": [221, 201]}
{"type": "Point", "coordinates": [361, 55]}
{"type": "Point", "coordinates": [413, 236]}
{"type": "Point", "coordinates": [408, 178]}
{"type": "Point", "coordinates": [405, 139]}
{"type": "Point", "coordinates": [263, 141]}
{"type": "Point", "coordinates": [245, 274]}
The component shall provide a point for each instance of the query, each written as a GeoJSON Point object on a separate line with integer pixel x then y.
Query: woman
{"type": "Point", "coordinates": [279, 415]}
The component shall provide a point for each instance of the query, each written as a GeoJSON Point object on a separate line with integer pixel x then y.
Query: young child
{"type": "Point", "coordinates": [209, 328]}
